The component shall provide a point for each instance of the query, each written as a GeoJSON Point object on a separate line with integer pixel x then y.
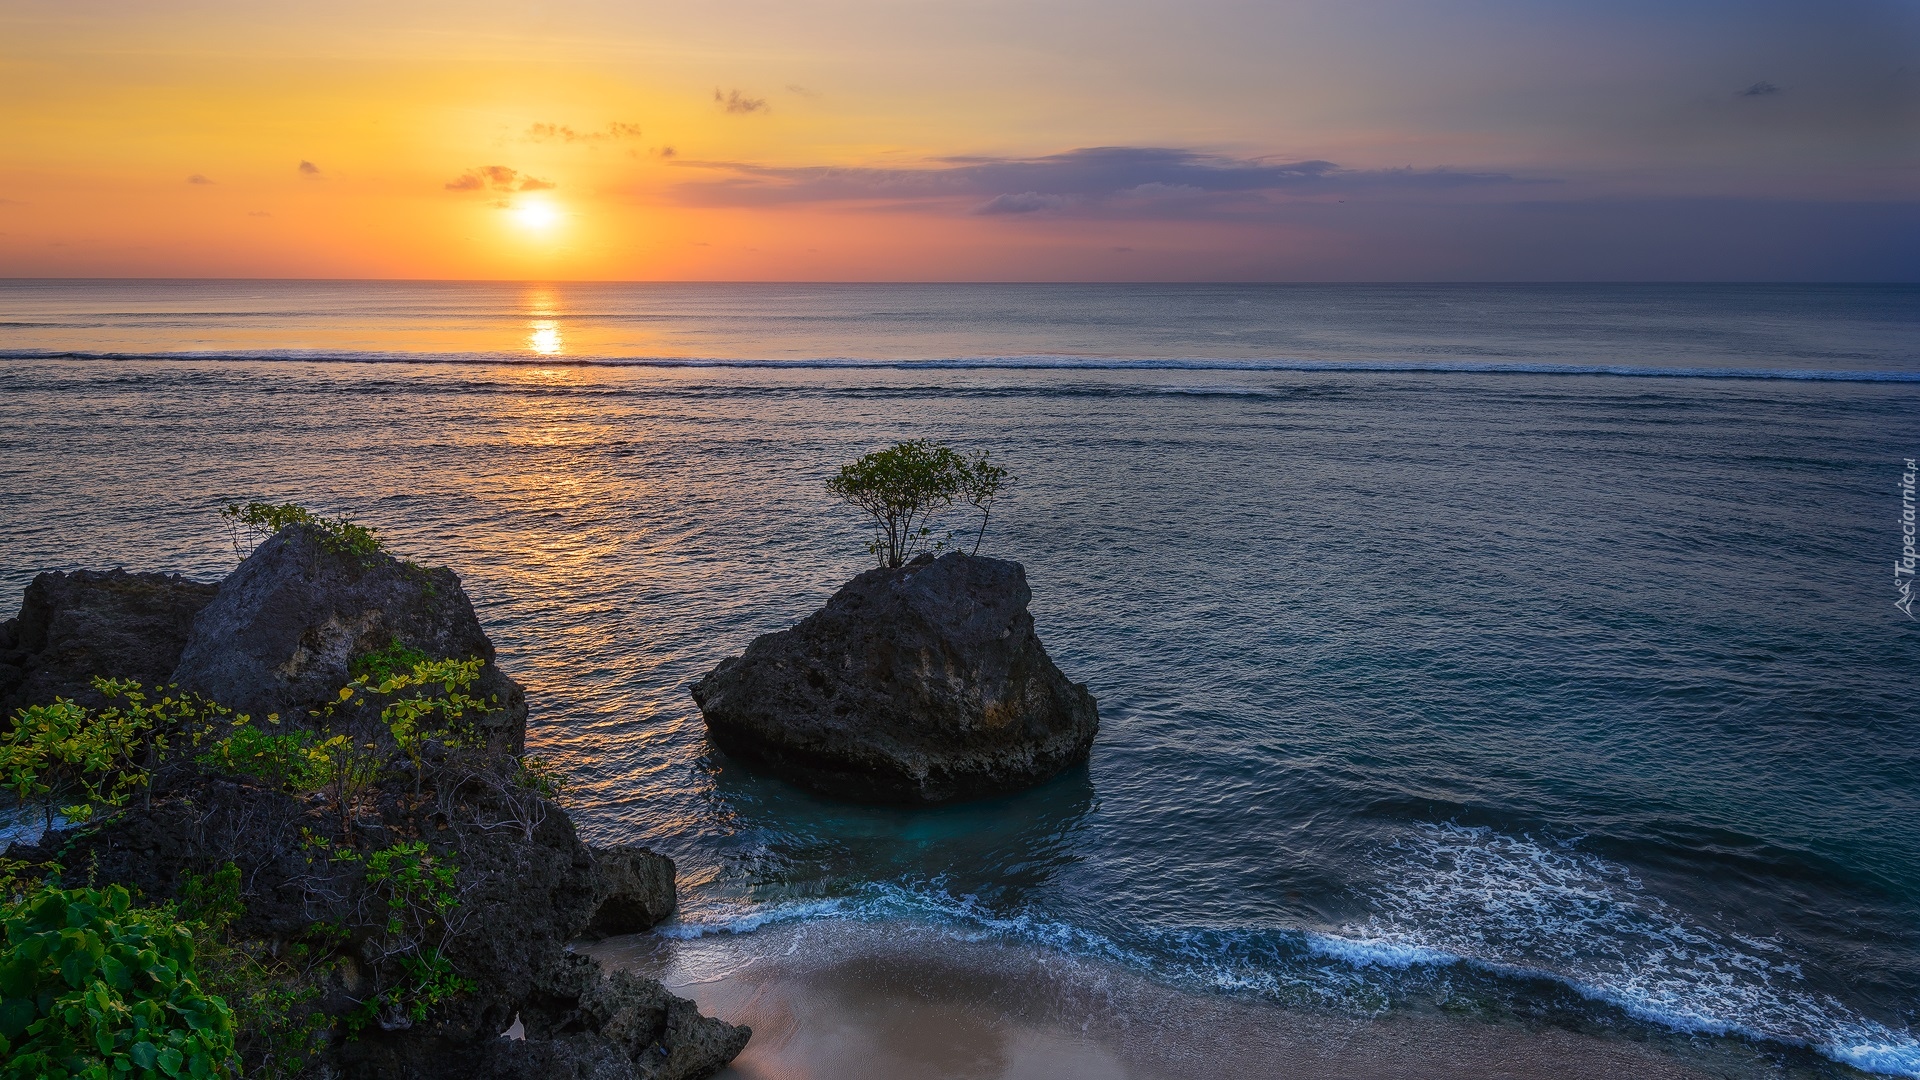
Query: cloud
{"type": "Point", "coordinates": [497, 178]}
{"type": "Point", "coordinates": [308, 168]}
{"type": "Point", "coordinates": [734, 103]}
{"type": "Point", "coordinates": [563, 133]}
{"type": "Point", "coordinates": [1103, 180]}
{"type": "Point", "coordinates": [196, 178]}
{"type": "Point", "coordinates": [1759, 89]}
{"type": "Point", "coordinates": [1026, 202]}
{"type": "Point", "coordinates": [667, 151]}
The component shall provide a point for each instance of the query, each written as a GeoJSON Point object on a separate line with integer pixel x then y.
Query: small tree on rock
{"type": "Point", "coordinates": [905, 487]}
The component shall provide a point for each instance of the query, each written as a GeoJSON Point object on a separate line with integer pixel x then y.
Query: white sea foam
{"type": "Point", "coordinates": [1452, 895]}
{"type": "Point", "coordinates": [1007, 363]}
{"type": "Point", "coordinates": [1517, 905]}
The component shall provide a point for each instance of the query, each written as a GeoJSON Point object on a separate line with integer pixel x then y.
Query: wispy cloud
{"type": "Point", "coordinates": [196, 178]}
{"type": "Point", "coordinates": [497, 178]}
{"type": "Point", "coordinates": [563, 133]}
{"type": "Point", "coordinates": [733, 102]}
{"type": "Point", "coordinates": [1759, 89]}
{"type": "Point", "coordinates": [308, 168]}
{"type": "Point", "coordinates": [1106, 180]}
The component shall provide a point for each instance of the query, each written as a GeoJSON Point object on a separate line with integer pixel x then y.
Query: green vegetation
{"type": "Point", "coordinates": [93, 988]}
{"type": "Point", "coordinates": [255, 521]}
{"type": "Point", "coordinates": [79, 761]}
{"type": "Point", "coordinates": [394, 658]}
{"type": "Point", "coordinates": [416, 715]}
{"type": "Point", "coordinates": [905, 487]}
{"type": "Point", "coordinates": [420, 892]}
{"type": "Point", "coordinates": [274, 991]}
{"type": "Point", "coordinates": [291, 761]}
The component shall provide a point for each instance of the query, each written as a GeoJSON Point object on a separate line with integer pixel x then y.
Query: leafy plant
{"type": "Point", "coordinates": [274, 992]}
{"type": "Point", "coordinates": [81, 761]}
{"type": "Point", "coordinates": [426, 981]}
{"type": "Point", "coordinates": [980, 485]}
{"type": "Point", "coordinates": [289, 761]}
{"type": "Point", "coordinates": [92, 988]}
{"type": "Point", "coordinates": [346, 768]}
{"type": "Point", "coordinates": [255, 521]}
{"type": "Point", "coordinates": [421, 895]}
{"type": "Point", "coordinates": [418, 714]}
{"type": "Point", "coordinates": [394, 658]}
{"type": "Point", "coordinates": [905, 487]}
{"type": "Point", "coordinates": [539, 776]}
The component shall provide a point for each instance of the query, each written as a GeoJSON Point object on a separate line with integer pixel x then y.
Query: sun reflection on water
{"type": "Point", "coordinates": [544, 338]}
{"type": "Point", "coordinates": [542, 305]}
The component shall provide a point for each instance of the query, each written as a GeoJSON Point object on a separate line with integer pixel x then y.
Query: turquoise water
{"type": "Point", "coordinates": [1434, 665]}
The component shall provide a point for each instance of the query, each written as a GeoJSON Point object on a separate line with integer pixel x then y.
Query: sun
{"type": "Point", "coordinates": [536, 215]}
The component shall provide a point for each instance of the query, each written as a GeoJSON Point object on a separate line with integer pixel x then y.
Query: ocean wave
{"type": "Point", "coordinates": [1516, 905]}
{"type": "Point", "coordinates": [990, 363]}
{"type": "Point", "coordinates": [1457, 898]}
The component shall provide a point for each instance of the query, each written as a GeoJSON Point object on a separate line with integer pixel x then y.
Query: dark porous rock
{"type": "Point", "coordinates": [632, 890]}
{"type": "Point", "coordinates": [523, 894]}
{"type": "Point", "coordinates": [919, 684]}
{"type": "Point", "coordinates": [282, 632]}
{"type": "Point", "coordinates": [75, 626]}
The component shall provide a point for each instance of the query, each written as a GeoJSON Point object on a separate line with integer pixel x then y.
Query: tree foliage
{"type": "Point", "coordinates": [255, 521]}
{"type": "Point", "coordinates": [906, 487]}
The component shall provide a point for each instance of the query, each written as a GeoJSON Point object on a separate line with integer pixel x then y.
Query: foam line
{"type": "Point", "coordinates": [993, 363]}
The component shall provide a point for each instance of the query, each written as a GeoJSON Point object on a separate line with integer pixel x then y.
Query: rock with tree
{"type": "Point", "coordinates": [917, 683]}
{"type": "Point", "coordinates": [283, 632]}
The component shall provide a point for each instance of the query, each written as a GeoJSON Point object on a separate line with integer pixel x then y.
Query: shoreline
{"type": "Point", "coordinates": [853, 1001]}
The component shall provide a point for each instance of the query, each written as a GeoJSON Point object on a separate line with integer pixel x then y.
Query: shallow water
{"type": "Point", "coordinates": [1572, 696]}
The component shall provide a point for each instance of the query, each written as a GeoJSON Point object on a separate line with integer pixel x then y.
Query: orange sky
{"type": "Point", "coordinates": [817, 140]}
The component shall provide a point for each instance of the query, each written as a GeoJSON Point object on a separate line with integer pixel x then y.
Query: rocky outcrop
{"type": "Point", "coordinates": [632, 890]}
{"type": "Point", "coordinates": [282, 631]}
{"type": "Point", "coordinates": [279, 636]}
{"type": "Point", "coordinates": [919, 684]}
{"type": "Point", "coordinates": [74, 626]}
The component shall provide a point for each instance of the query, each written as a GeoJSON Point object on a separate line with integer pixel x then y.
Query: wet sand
{"type": "Point", "coordinates": [846, 1002]}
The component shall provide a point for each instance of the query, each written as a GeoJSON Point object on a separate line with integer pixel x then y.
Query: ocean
{"type": "Point", "coordinates": [1502, 651]}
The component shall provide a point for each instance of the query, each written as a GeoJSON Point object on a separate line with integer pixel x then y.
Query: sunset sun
{"type": "Point", "coordinates": [536, 216]}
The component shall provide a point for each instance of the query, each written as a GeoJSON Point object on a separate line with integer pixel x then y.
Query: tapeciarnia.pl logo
{"type": "Point", "coordinates": [1903, 568]}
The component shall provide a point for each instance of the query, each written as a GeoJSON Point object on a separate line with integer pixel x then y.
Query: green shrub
{"type": "Point", "coordinates": [93, 988]}
{"type": "Point", "coordinates": [289, 761]}
{"type": "Point", "coordinates": [417, 713]}
{"type": "Point", "coordinates": [274, 992]}
{"type": "Point", "coordinates": [80, 761]}
{"type": "Point", "coordinates": [255, 521]}
{"type": "Point", "coordinates": [394, 658]}
{"type": "Point", "coordinates": [419, 890]}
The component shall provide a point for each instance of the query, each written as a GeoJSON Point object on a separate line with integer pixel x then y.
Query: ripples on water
{"type": "Point", "coordinates": [1578, 697]}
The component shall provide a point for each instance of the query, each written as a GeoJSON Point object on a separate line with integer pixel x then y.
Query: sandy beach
{"type": "Point", "coordinates": [848, 1001]}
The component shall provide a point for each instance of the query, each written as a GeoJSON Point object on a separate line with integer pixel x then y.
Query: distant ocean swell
{"type": "Point", "coordinates": [990, 363]}
{"type": "Point", "coordinates": [1467, 908]}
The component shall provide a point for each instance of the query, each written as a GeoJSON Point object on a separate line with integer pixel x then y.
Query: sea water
{"type": "Point", "coordinates": [1524, 650]}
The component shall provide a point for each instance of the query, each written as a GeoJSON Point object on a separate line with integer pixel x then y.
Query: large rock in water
{"type": "Point", "coordinates": [919, 684]}
{"type": "Point", "coordinates": [75, 626]}
{"type": "Point", "coordinates": [282, 632]}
